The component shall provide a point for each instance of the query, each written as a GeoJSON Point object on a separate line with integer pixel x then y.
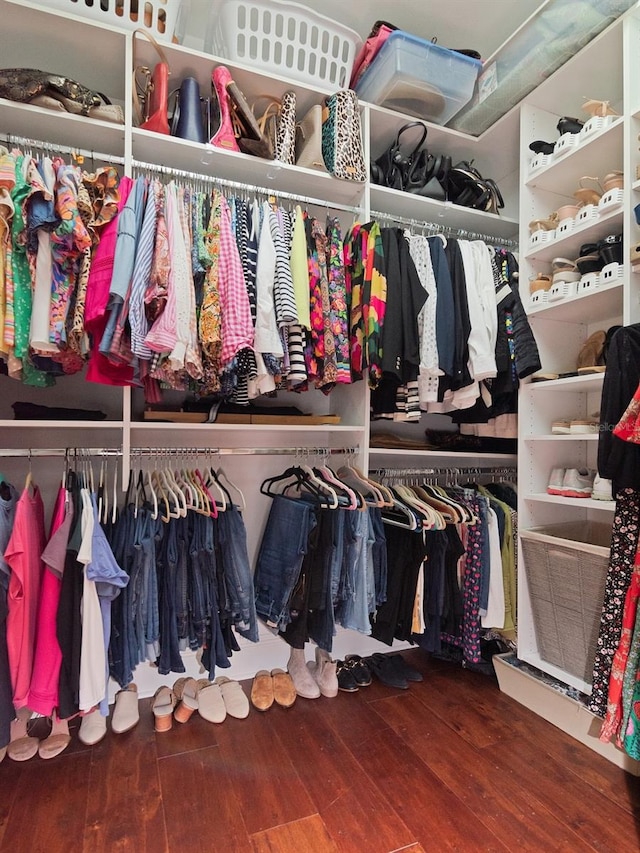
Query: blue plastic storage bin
{"type": "Point", "coordinates": [419, 78]}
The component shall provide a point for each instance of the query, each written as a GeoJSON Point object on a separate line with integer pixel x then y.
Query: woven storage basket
{"type": "Point", "coordinates": [159, 17]}
{"type": "Point", "coordinates": [566, 578]}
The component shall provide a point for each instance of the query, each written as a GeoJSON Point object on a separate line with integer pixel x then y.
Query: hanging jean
{"type": "Point", "coordinates": [379, 555]}
{"type": "Point", "coordinates": [282, 550]}
{"type": "Point", "coordinates": [199, 600]}
{"type": "Point", "coordinates": [121, 541]}
{"type": "Point", "coordinates": [320, 618]}
{"type": "Point", "coordinates": [232, 537]}
{"type": "Point", "coordinates": [215, 652]}
{"type": "Point", "coordinates": [170, 659]}
{"type": "Point", "coordinates": [355, 610]}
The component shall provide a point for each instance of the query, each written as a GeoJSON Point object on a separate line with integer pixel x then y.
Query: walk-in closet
{"type": "Point", "coordinates": [319, 489]}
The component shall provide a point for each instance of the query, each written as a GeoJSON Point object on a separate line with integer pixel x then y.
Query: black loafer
{"type": "Point", "coordinates": [346, 679]}
{"type": "Point", "coordinates": [360, 670]}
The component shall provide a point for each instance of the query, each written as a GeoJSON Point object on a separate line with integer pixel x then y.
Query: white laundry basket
{"type": "Point", "coordinates": [159, 17]}
{"type": "Point", "coordinates": [283, 38]}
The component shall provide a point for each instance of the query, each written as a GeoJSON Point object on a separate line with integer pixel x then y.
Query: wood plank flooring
{"type": "Point", "coordinates": [450, 764]}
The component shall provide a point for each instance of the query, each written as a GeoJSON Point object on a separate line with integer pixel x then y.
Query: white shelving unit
{"type": "Point", "coordinates": [606, 69]}
{"type": "Point", "coordinates": [102, 57]}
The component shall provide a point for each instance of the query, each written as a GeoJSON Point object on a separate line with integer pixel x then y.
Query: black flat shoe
{"type": "Point", "coordinates": [360, 670]}
{"type": "Point", "coordinates": [539, 146]}
{"type": "Point", "coordinates": [346, 679]}
{"type": "Point", "coordinates": [386, 671]}
{"type": "Point", "coordinates": [404, 669]}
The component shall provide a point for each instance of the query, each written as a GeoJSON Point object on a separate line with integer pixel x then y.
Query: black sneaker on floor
{"type": "Point", "coordinates": [346, 679]}
{"type": "Point", "coordinates": [360, 670]}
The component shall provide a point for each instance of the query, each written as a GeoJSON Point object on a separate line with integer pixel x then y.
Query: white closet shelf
{"type": "Point", "coordinates": [563, 174]}
{"type": "Point", "coordinates": [589, 437]}
{"type": "Point", "coordinates": [587, 382]}
{"type": "Point", "coordinates": [256, 429]}
{"type": "Point", "coordinates": [585, 503]}
{"type": "Point", "coordinates": [569, 245]}
{"type": "Point", "coordinates": [62, 128]}
{"type": "Point", "coordinates": [37, 424]}
{"type": "Point", "coordinates": [605, 301]}
{"type": "Point", "coordinates": [397, 457]}
{"type": "Point", "coordinates": [268, 174]}
{"type": "Point", "coordinates": [410, 206]}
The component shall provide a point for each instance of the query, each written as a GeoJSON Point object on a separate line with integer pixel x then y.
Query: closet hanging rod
{"type": "Point", "coordinates": [176, 451]}
{"type": "Point", "coordinates": [252, 188]}
{"type": "Point", "coordinates": [451, 230]}
{"type": "Point", "coordinates": [12, 139]}
{"type": "Point", "coordinates": [498, 470]}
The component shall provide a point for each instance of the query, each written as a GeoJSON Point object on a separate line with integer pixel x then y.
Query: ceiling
{"type": "Point", "coordinates": [479, 24]}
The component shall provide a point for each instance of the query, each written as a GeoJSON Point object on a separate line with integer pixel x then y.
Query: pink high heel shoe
{"type": "Point", "coordinates": [224, 137]}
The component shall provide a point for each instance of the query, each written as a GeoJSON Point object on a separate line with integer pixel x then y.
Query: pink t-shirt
{"type": "Point", "coordinates": [23, 555]}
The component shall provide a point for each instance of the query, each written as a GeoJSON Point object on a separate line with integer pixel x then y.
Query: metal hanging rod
{"type": "Point", "coordinates": [62, 149]}
{"type": "Point", "coordinates": [498, 471]}
{"type": "Point", "coordinates": [83, 452]}
{"type": "Point", "coordinates": [434, 229]}
{"type": "Point", "coordinates": [140, 166]}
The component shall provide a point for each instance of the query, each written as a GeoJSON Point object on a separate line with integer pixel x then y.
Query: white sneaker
{"type": "Point", "coordinates": [601, 489]}
{"type": "Point", "coordinates": [577, 483]}
{"type": "Point", "coordinates": [556, 481]}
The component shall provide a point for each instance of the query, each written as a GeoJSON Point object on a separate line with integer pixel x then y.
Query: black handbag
{"type": "Point", "coordinates": [391, 169]}
{"type": "Point", "coordinates": [428, 175]}
{"type": "Point", "coordinates": [191, 114]}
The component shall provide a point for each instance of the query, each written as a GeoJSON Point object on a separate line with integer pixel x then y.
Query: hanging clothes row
{"type": "Point", "coordinates": [322, 558]}
{"type": "Point", "coordinates": [106, 590]}
{"type": "Point", "coordinates": [451, 564]}
{"type": "Point", "coordinates": [444, 330]}
{"type": "Point", "coordinates": [168, 285]}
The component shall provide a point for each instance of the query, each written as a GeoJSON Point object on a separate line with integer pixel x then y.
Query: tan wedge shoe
{"type": "Point", "coordinates": [588, 195]}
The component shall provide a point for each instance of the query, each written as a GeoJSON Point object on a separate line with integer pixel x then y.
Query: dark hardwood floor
{"type": "Point", "coordinates": [450, 764]}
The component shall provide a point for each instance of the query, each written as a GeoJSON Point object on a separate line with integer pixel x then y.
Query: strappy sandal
{"type": "Point", "coordinates": [58, 739]}
{"type": "Point", "coordinates": [588, 195]}
{"type": "Point", "coordinates": [548, 224]}
{"type": "Point", "coordinates": [598, 108]}
{"type": "Point", "coordinates": [21, 747]}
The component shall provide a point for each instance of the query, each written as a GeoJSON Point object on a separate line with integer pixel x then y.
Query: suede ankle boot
{"type": "Point", "coordinates": [304, 682]}
{"type": "Point", "coordinates": [324, 673]}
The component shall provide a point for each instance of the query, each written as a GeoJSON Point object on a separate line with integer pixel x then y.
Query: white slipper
{"type": "Point", "coordinates": [235, 699]}
{"type": "Point", "coordinates": [125, 714]}
{"type": "Point", "coordinates": [93, 728]}
{"type": "Point", "coordinates": [211, 706]}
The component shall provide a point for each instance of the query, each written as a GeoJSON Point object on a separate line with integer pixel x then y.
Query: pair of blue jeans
{"type": "Point", "coordinates": [232, 538]}
{"type": "Point", "coordinates": [284, 544]}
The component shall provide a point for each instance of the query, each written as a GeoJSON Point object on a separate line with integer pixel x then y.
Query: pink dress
{"type": "Point", "coordinates": [23, 557]}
